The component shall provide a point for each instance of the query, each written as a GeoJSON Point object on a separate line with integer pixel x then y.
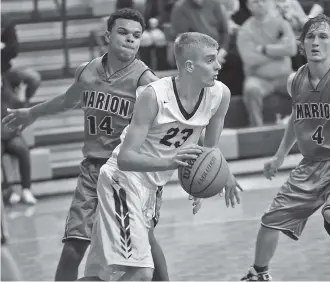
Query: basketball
{"type": "Point", "coordinates": [206, 176]}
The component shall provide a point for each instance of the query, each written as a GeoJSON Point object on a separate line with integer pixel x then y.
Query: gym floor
{"type": "Point", "coordinates": [216, 244]}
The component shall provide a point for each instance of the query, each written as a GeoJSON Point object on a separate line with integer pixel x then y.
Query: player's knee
{"type": "Point", "coordinates": [74, 251]}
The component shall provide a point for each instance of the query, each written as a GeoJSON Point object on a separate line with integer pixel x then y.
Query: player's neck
{"type": "Point", "coordinates": [188, 88]}
{"type": "Point", "coordinates": [113, 64]}
{"type": "Point", "coordinates": [318, 70]}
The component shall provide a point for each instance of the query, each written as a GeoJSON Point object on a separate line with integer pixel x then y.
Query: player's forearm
{"type": "Point", "coordinates": [51, 107]}
{"type": "Point", "coordinates": [281, 50]}
{"type": "Point", "coordinates": [289, 139]}
{"type": "Point", "coordinates": [129, 160]}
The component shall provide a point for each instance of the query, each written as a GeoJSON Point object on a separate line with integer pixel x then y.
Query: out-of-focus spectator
{"type": "Point", "coordinates": [293, 12]}
{"type": "Point", "coordinates": [265, 43]}
{"type": "Point", "coordinates": [159, 45]}
{"type": "Point", "coordinates": [204, 16]}
{"type": "Point", "coordinates": [231, 72]}
{"type": "Point", "coordinates": [317, 8]}
{"type": "Point", "coordinates": [121, 4]}
{"type": "Point", "coordinates": [9, 50]}
{"type": "Point", "coordinates": [232, 7]}
{"type": "Point", "coordinates": [14, 144]}
{"type": "Point", "coordinates": [242, 14]}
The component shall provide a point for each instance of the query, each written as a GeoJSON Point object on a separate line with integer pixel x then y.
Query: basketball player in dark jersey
{"type": "Point", "coordinates": [106, 90]}
{"type": "Point", "coordinates": [308, 186]}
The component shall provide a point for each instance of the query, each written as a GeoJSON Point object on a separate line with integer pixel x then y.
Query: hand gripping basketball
{"type": "Point", "coordinates": [183, 156]}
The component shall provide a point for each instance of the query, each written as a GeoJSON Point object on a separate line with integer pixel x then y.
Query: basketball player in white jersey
{"type": "Point", "coordinates": [157, 142]}
{"type": "Point", "coordinates": [308, 186]}
{"type": "Point", "coordinates": [106, 90]}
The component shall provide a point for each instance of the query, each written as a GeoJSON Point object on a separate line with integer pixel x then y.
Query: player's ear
{"type": "Point", "coordinates": [107, 36]}
{"type": "Point", "coordinates": [189, 66]}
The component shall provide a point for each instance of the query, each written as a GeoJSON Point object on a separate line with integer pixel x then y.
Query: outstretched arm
{"type": "Point", "coordinates": [18, 119]}
{"type": "Point", "coordinates": [61, 103]}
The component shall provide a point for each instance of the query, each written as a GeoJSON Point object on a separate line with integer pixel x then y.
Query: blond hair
{"type": "Point", "coordinates": [186, 44]}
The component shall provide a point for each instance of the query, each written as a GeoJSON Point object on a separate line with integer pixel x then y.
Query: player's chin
{"type": "Point", "coordinates": [127, 55]}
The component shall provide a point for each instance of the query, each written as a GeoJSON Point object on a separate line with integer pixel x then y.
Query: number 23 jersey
{"type": "Point", "coordinates": [311, 109]}
{"type": "Point", "coordinates": [173, 128]}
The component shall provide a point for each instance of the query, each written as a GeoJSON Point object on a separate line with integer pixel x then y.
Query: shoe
{"type": "Point", "coordinates": [28, 198]}
{"type": "Point", "coordinates": [14, 198]}
{"type": "Point", "coordinates": [253, 275]}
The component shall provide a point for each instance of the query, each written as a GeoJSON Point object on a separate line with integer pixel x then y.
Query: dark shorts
{"type": "Point", "coordinates": [81, 216]}
{"type": "Point", "coordinates": [306, 190]}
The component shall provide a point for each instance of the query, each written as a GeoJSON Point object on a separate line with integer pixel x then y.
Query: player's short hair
{"type": "Point", "coordinates": [127, 14]}
{"type": "Point", "coordinates": [311, 23]}
{"type": "Point", "coordinates": [191, 41]}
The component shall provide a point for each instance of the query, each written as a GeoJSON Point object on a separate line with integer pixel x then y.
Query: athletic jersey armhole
{"type": "Point", "coordinates": [296, 81]}
{"type": "Point", "coordinates": [157, 100]}
{"type": "Point", "coordinates": [80, 70]}
{"type": "Point", "coordinates": [219, 92]}
{"type": "Point", "coordinates": [147, 69]}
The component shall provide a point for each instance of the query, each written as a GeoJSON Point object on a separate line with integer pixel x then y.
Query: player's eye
{"type": "Point", "coordinates": [137, 35]}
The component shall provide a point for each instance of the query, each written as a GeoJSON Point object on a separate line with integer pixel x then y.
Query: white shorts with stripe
{"type": "Point", "coordinates": [124, 215]}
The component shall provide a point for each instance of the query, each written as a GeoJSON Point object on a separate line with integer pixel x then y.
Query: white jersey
{"type": "Point", "coordinates": [173, 128]}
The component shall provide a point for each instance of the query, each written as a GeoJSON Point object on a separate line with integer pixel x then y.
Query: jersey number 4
{"type": "Point", "coordinates": [105, 125]}
{"type": "Point", "coordinates": [172, 132]}
{"type": "Point", "coordinates": [318, 135]}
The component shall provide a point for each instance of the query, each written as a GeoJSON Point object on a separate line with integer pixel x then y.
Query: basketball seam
{"type": "Point", "coordinates": [213, 178]}
{"type": "Point", "coordinates": [192, 181]}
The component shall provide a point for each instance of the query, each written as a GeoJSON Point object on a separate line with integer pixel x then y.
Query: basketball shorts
{"type": "Point", "coordinates": [81, 214]}
{"type": "Point", "coordinates": [127, 206]}
{"type": "Point", "coordinates": [305, 191]}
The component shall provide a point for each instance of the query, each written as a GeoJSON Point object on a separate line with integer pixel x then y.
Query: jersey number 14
{"type": "Point", "coordinates": [104, 125]}
{"type": "Point", "coordinates": [318, 135]}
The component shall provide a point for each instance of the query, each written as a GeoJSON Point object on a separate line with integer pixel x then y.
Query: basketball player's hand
{"type": "Point", "coordinates": [19, 119]}
{"type": "Point", "coordinates": [197, 203]}
{"type": "Point", "coordinates": [183, 156]}
{"type": "Point", "coordinates": [231, 191]}
{"type": "Point", "coordinates": [271, 167]}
